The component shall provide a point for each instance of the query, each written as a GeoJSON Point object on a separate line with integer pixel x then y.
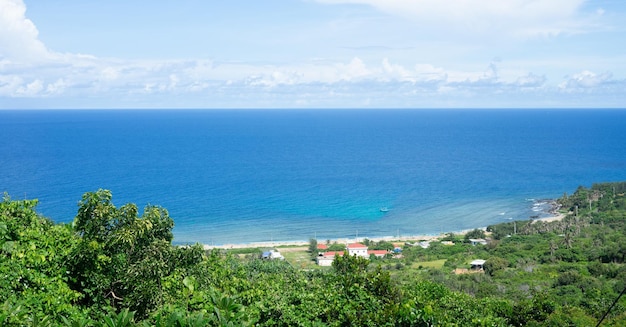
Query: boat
{"type": "Point", "coordinates": [384, 209]}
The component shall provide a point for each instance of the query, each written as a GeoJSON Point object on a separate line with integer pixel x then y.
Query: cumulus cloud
{"type": "Point", "coordinates": [354, 70]}
{"type": "Point", "coordinates": [28, 70]}
{"type": "Point", "coordinates": [31, 89]}
{"type": "Point", "coordinates": [519, 17]}
{"type": "Point", "coordinates": [585, 80]}
{"type": "Point", "coordinates": [530, 80]}
{"type": "Point", "coordinates": [327, 83]}
{"type": "Point", "coordinates": [18, 35]}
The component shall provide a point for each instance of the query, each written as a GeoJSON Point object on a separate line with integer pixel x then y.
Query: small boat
{"type": "Point", "coordinates": [384, 209]}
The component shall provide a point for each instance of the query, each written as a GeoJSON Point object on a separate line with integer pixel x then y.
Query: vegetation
{"type": "Point", "coordinates": [116, 267]}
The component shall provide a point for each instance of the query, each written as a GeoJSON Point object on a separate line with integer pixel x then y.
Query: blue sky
{"type": "Point", "coordinates": [312, 54]}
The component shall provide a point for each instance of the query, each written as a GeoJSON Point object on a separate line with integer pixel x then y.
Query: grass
{"type": "Point", "coordinates": [438, 264]}
{"type": "Point", "coordinates": [300, 259]}
{"type": "Point", "coordinates": [245, 251]}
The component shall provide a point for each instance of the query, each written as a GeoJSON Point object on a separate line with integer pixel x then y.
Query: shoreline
{"type": "Point", "coordinates": [298, 243]}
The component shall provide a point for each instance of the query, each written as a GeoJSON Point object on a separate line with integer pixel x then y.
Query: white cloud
{"type": "Point", "coordinates": [354, 82]}
{"type": "Point", "coordinates": [28, 70]}
{"type": "Point", "coordinates": [174, 80]}
{"type": "Point", "coordinates": [354, 70]}
{"type": "Point", "coordinates": [518, 17]}
{"type": "Point", "coordinates": [530, 80]}
{"type": "Point", "coordinates": [58, 87]}
{"type": "Point", "coordinates": [586, 80]}
{"type": "Point", "coordinates": [31, 89]}
{"type": "Point", "coordinates": [109, 73]}
{"type": "Point", "coordinates": [9, 84]}
{"type": "Point", "coordinates": [396, 72]}
{"type": "Point", "coordinates": [18, 35]}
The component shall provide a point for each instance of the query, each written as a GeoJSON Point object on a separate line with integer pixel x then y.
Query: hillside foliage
{"type": "Point", "coordinates": [116, 267]}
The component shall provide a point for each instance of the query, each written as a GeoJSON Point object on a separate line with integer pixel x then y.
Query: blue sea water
{"type": "Point", "coordinates": [233, 176]}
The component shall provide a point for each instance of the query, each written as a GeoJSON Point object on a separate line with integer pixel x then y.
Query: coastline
{"type": "Point", "coordinates": [557, 216]}
{"type": "Point", "coordinates": [273, 244]}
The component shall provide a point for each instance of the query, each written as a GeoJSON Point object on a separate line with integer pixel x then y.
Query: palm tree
{"type": "Point", "coordinates": [568, 240]}
{"type": "Point", "coordinates": [553, 247]}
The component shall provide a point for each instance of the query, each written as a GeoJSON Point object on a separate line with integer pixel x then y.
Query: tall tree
{"type": "Point", "coordinates": [121, 257]}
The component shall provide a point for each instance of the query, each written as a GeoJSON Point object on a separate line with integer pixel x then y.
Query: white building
{"type": "Point", "coordinates": [476, 241]}
{"type": "Point", "coordinates": [357, 249]}
{"type": "Point", "coordinates": [272, 254]}
{"type": "Point", "coordinates": [353, 249]}
{"type": "Point", "coordinates": [478, 264]}
{"type": "Point", "coordinates": [327, 258]}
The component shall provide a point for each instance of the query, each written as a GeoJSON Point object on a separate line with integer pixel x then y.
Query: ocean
{"type": "Point", "coordinates": [238, 176]}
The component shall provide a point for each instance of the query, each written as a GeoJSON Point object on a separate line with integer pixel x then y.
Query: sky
{"type": "Point", "coordinates": [312, 54]}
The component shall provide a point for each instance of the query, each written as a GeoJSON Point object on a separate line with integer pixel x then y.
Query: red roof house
{"type": "Point", "coordinates": [378, 253]}
{"type": "Point", "coordinates": [357, 249]}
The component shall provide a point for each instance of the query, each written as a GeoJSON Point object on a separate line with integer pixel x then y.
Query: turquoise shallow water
{"type": "Point", "coordinates": [259, 175]}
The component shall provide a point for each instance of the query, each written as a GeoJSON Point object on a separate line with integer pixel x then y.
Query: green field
{"type": "Point", "coordinates": [437, 264]}
{"type": "Point", "coordinates": [299, 259]}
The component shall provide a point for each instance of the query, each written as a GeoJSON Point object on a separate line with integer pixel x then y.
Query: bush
{"type": "Point", "coordinates": [495, 264]}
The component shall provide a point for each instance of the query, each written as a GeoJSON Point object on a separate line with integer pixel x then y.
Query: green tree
{"type": "Point", "coordinates": [122, 258]}
{"type": "Point", "coordinates": [476, 233]}
{"type": "Point", "coordinates": [495, 264]}
{"type": "Point", "coordinates": [313, 248]}
{"type": "Point", "coordinates": [569, 316]}
{"type": "Point", "coordinates": [533, 311]}
{"type": "Point", "coordinates": [336, 247]}
{"type": "Point", "coordinates": [33, 278]}
{"type": "Point", "coordinates": [383, 245]}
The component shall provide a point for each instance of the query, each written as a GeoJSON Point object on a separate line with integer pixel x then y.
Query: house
{"type": "Point", "coordinates": [324, 261]}
{"type": "Point", "coordinates": [353, 249]}
{"type": "Point", "coordinates": [424, 244]}
{"type": "Point", "coordinates": [358, 249]}
{"type": "Point", "coordinates": [321, 248]}
{"type": "Point", "coordinates": [327, 258]}
{"type": "Point", "coordinates": [378, 253]}
{"type": "Point", "coordinates": [477, 267]}
{"type": "Point", "coordinates": [476, 241]}
{"type": "Point", "coordinates": [272, 254]}
{"type": "Point", "coordinates": [478, 264]}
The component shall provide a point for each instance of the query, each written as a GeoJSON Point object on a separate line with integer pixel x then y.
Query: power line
{"type": "Point", "coordinates": [611, 307]}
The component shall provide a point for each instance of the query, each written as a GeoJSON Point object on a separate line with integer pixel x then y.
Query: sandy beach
{"type": "Point", "coordinates": [340, 241]}
{"type": "Point", "coordinates": [556, 217]}
{"type": "Point", "coordinates": [407, 238]}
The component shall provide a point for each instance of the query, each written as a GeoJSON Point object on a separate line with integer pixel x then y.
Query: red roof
{"type": "Point", "coordinates": [322, 247]}
{"type": "Point", "coordinates": [378, 252]}
{"type": "Point", "coordinates": [357, 246]}
{"type": "Point", "coordinates": [332, 253]}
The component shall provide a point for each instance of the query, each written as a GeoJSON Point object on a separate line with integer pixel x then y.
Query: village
{"type": "Point", "coordinates": [325, 253]}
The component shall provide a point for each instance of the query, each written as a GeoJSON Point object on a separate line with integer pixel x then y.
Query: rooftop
{"type": "Point", "coordinates": [356, 246]}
